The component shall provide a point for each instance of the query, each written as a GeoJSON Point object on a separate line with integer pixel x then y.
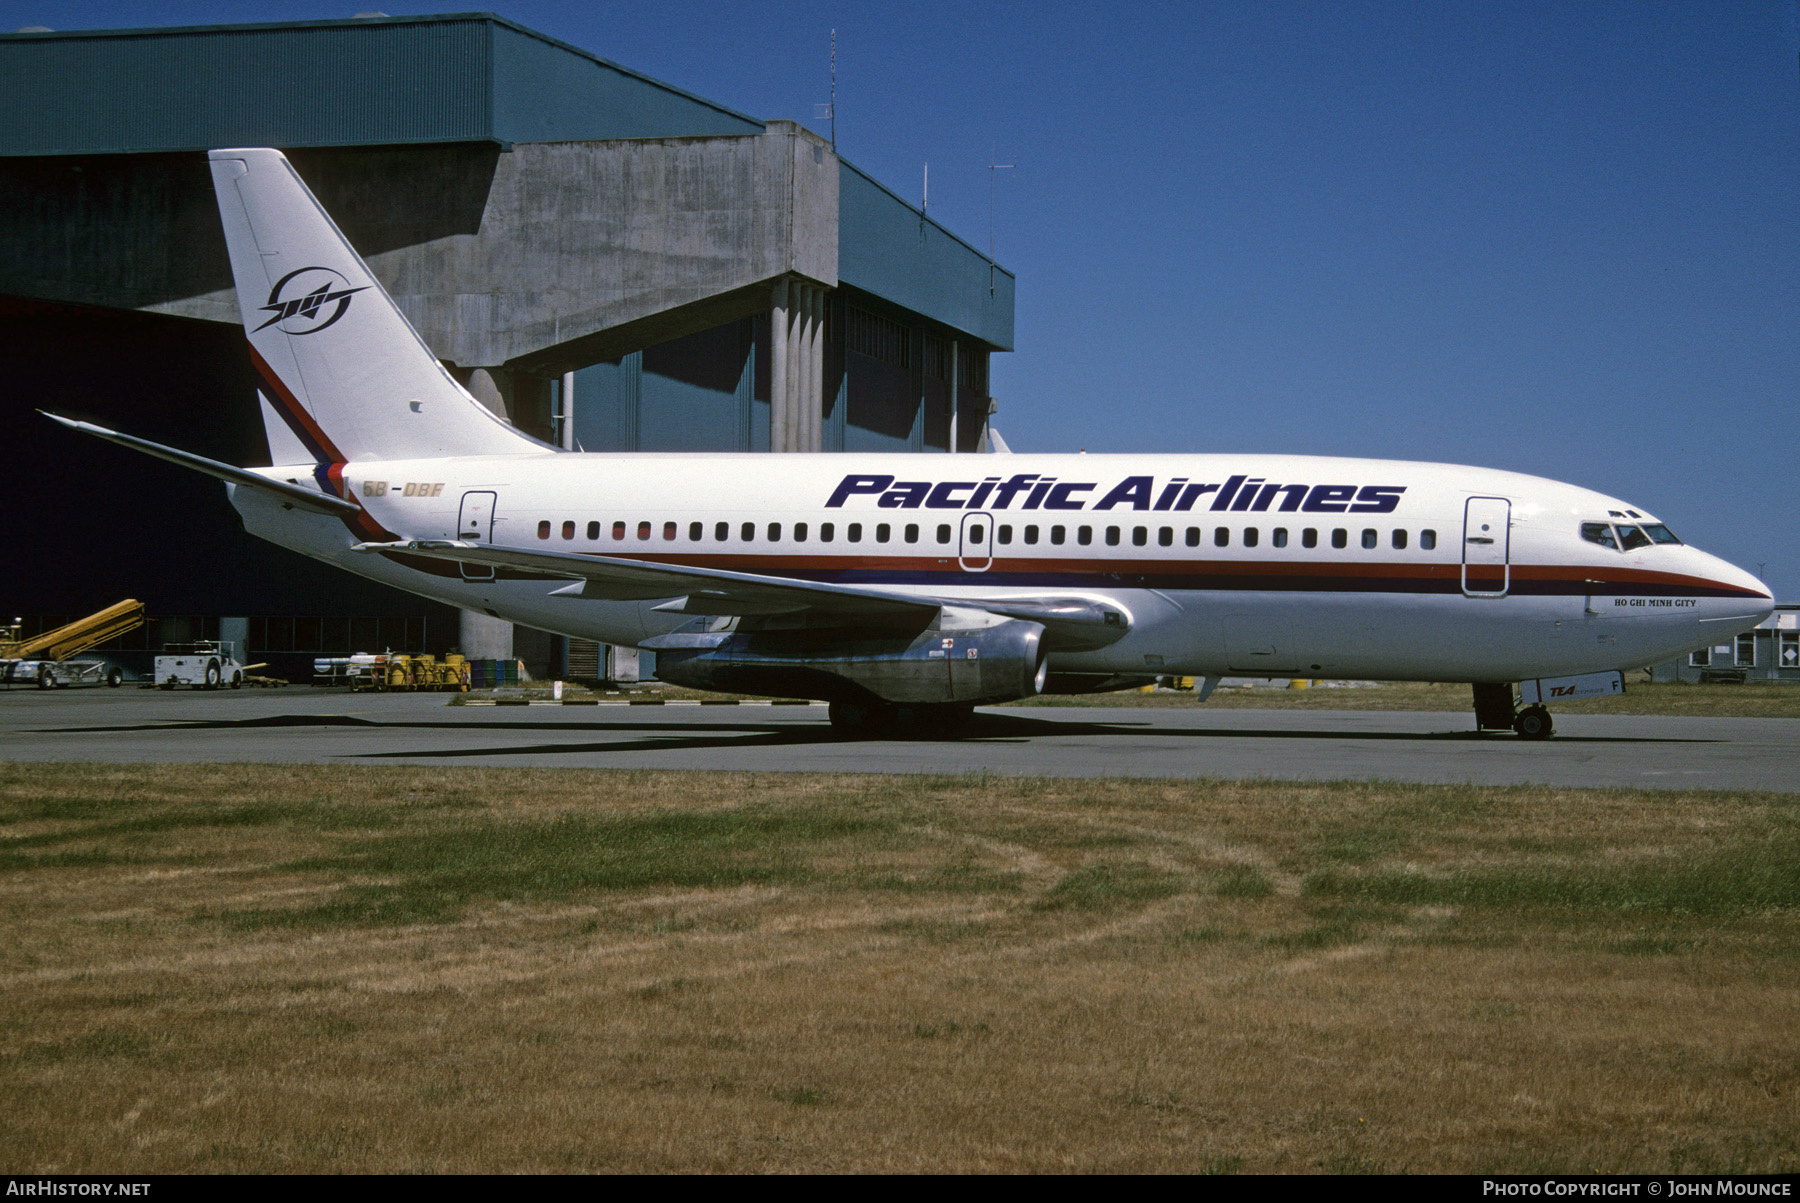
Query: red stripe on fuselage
{"type": "Point", "coordinates": [1271, 570]}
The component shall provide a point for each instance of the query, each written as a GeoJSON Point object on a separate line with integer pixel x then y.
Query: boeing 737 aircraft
{"type": "Point", "coordinates": [910, 587]}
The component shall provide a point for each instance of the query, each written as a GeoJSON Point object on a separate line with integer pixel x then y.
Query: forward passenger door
{"type": "Point", "coordinates": [1487, 547]}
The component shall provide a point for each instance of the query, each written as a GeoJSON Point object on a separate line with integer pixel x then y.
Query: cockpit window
{"type": "Point", "coordinates": [1631, 538]}
{"type": "Point", "coordinates": [1660, 534]}
{"type": "Point", "coordinates": [1599, 532]}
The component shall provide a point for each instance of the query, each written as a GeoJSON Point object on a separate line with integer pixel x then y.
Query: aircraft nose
{"type": "Point", "coordinates": [1758, 601]}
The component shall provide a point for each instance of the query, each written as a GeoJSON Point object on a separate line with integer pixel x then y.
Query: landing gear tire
{"type": "Point", "coordinates": [1533, 722]}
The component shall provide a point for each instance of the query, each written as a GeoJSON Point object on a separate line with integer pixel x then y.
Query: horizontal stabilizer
{"type": "Point", "coordinates": [298, 496]}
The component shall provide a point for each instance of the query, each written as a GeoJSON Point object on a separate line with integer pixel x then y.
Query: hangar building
{"type": "Point", "coordinates": [611, 263]}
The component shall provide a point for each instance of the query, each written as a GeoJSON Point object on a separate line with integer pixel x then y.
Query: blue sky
{"type": "Point", "coordinates": [1562, 238]}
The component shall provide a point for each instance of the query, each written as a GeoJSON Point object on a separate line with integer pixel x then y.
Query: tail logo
{"type": "Point", "coordinates": [307, 300]}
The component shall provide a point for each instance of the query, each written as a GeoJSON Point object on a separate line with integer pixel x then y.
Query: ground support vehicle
{"type": "Point", "coordinates": [393, 671]}
{"type": "Point", "coordinates": [206, 664]}
{"type": "Point", "coordinates": [55, 674]}
{"type": "Point", "coordinates": [43, 660]}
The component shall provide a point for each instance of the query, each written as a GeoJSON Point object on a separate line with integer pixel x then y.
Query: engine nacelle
{"type": "Point", "coordinates": [995, 663]}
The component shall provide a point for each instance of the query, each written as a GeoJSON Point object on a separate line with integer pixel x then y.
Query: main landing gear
{"type": "Point", "coordinates": [1496, 710]}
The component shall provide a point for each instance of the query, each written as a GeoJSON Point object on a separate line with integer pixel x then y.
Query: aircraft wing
{"type": "Point", "coordinates": [714, 591]}
{"type": "Point", "coordinates": [1069, 623]}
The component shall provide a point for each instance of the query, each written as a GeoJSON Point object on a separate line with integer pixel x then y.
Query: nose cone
{"type": "Point", "coordinates": [1756, 600]}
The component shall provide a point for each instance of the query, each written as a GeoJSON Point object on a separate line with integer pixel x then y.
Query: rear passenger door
{"type": "Point", "coordinates": [475, 524]}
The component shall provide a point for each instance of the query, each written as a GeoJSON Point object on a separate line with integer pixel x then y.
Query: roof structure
{"type": "Point", "coordinates": [457, 78]}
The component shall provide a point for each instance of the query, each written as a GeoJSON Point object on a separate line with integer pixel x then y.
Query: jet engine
{"type": "Point", "coordinates": [972, 666]}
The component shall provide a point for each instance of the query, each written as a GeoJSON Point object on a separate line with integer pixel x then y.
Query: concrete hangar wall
{"type": "Point", "coordinates": [611, 263]}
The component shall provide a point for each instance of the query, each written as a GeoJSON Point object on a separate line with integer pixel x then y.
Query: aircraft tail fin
{"type": "Point", "coordinates": [341, 368]}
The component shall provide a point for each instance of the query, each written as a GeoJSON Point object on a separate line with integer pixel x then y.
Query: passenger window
{"type": "Point", "coordinates": [827, 532]}
{"type": "Point", "coordinates": [912, 532]}
{"type": "Point", "coordinates": [1370, 538]}
{"type": "Point", "coordinates": [643, 530]}
{"type": "Point", "coordinates": [593, 530]}
{"type": "Point", "coordinates": [568, 529]}
{"type": "Point", "coordinates": [1599, 532]}
{"type": "Point", "coordinates": [1279, 536]}
{"type": "Point", "coordinates": [1428, 540]}
{"type": "Point", "coordinates": [799, 532]}
{"type": "Point", "coordinates": [1031, 534]}
{"type": "Point", "coordinates": [1309, 537]}
{"type": "Point", "coordinates": [1004, 534]}
{"type": "Point", "coordinates": [976, 533]}
{"type": "Point", "coordinates": [1139, 536]}
{"type": "Point", "coordinates": [619, 530]}
{"type": "Point", "coordinates": [943, 532]}
{"type": "Point", "coordinates": [774, 532]}
{"type": "Point", "coordinates": [1399, 540]}
{"type": "Point", "coordinates": [1193, 536]}
{"type": "Point", "coordinates": [854, 532]}
{"type": "Point", "coordinates": [1221, 536]}
{"type": "Point", "coordinates": [1250, 536]}
{"type": "Point", "coordinates": [1632, 538]}
{"type": "Point", "coordinates": [1112, 536]}
{"type": "Point", "coordinates": [1057, 534]}
{"type": "Point", "coordinates": [544, 529]}
{"type": "Point", "coordinates": [1084, 535]}
{"type": "Point", "coordinates": [1340, 537]}
{"type": "Point", "coordinates": [722, 532]}
{"type": "Point", "coordinates": [882, 532]}
{"type": "Point", "coordinates": [669, 529]}
{"type": "Point", "coordinates": [747, 532]}
{"type": "Point", "coordinates": [1165, 536]}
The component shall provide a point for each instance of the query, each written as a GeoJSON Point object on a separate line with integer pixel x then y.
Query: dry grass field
{"type": "Point", "coordinates": [304, 969]}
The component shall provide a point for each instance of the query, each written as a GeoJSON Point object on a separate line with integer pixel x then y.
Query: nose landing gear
{"type": "Point", "coordinates": [1496, 710]}
{"type": "Point", "coordinates": [1533, 722]}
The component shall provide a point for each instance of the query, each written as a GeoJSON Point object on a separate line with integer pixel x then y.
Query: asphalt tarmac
{"type": "Point", "coordinates": [303, 726]}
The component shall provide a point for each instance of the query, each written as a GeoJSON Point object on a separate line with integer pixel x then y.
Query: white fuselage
{"type": "Point", "coordinates": [1255, 565]}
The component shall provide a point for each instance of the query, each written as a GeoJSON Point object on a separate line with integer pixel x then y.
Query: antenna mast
{"type": "Point", "coordinates": [829, 110]}
{"type": "Point", "coordinates": [992, 168]}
